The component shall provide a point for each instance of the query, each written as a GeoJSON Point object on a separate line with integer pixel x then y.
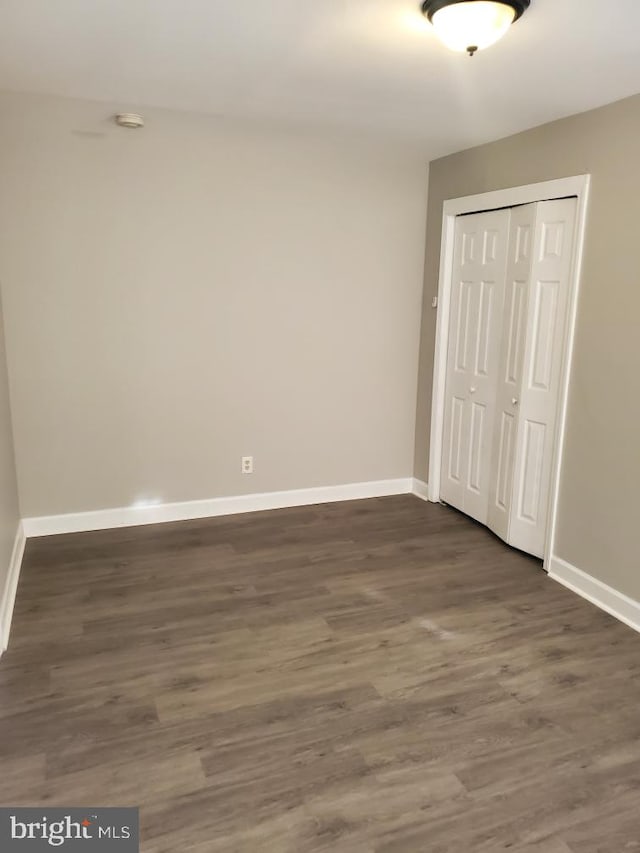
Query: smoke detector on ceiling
{"type": "Point", "coordinates": [130, 120]}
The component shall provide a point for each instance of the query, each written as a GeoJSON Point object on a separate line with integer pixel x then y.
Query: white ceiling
{"type": "Point", "coordinates": [370, 65]}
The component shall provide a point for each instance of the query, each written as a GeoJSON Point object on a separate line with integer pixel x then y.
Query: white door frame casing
{"type": "Point", "coordinates": [578, 186]}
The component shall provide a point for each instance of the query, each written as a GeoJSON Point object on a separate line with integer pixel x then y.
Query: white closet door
{"type": "Point", "coordinates": [545, 351]}
{"type": "Point", "coordinates": [474, 340]}
{"type": "Point", "coordinates": [511, 362]}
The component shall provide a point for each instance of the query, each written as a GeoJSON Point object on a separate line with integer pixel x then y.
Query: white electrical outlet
{"type": "Point", "coordinates": [247, 464]}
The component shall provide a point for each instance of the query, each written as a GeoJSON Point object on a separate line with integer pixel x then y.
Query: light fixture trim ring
{"type": "Point", "coordinates": [430, 7]}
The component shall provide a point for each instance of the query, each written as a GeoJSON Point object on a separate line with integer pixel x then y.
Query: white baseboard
{"type": "Point", "coordinates": [11, 585]}
{"type": "Point", "coordinates": [135, 515]}
{"type": "Point", "coordinates": [605, 597]}
{"type": "Point", "coordinates": [420, 489]}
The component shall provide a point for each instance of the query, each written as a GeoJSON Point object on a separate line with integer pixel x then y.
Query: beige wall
{"type": "Point", "coordinates": [599, 506]}
{"type": "Point", "coordinates": [9, 510]}
{"type": "Point", "coordinates": [187, 294]}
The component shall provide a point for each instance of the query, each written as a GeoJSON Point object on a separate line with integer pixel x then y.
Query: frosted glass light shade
{"type": "Point", "coordinates": [472, 25]}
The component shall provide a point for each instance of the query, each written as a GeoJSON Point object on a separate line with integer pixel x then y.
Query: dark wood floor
{"type": "Point", "coordinates": [377, 675]}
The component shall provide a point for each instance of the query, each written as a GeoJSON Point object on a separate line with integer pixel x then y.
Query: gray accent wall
{"type": "Point", "coordinates": [599, 508]}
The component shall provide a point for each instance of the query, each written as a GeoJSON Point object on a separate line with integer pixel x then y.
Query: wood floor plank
{"type": "Point", "coordinates": [362, 677]}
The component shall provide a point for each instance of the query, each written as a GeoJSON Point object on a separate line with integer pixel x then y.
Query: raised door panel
{"type": "Point", "coordinates": [544, 334]}
{"type": "Point", "coordinates": [476, 448]}
{"type": "Point", "coordinates": [455, 455]}
{"type": "Point", "coordinates": [518, 292]}
{"type": "Point", "coordinates": [460, 330]}
{"type": "Point", "coordinates": [483, 350]}
{"type": "Point", "coordinates": [528, 500]}
{"type": "Point", "coordinates": [504, 473]}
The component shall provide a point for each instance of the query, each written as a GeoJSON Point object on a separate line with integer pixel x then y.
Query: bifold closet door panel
{"type": "Point", "coordinates": [477, 298]}
{"type": "Point", "coordinates": [545, 352]}
{"type": "Point", "coordinates": [510, 366]}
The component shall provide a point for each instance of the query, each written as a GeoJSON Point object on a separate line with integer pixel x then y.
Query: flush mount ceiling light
{"type": "Point", "coordinates": [472, 25]}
